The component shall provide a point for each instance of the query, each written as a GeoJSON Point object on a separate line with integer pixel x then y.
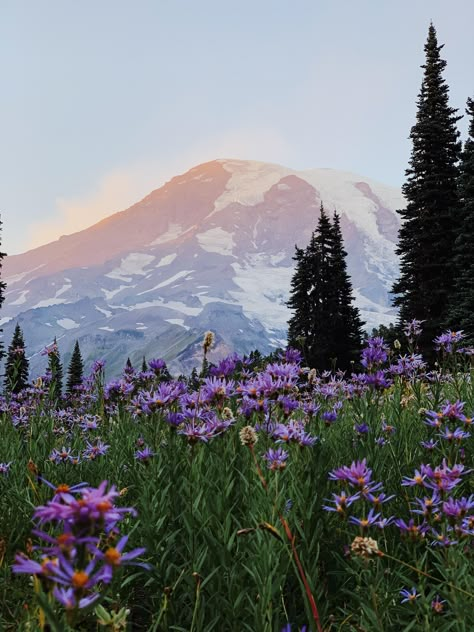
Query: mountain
{"type": "Point", "coordinates": [211, 249]}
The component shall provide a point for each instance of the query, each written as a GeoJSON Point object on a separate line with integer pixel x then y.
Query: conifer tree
{"type": "Point", "coordinates": [16, 367]}
{"type": "Point", "coordinates": [3, 286]}
{"type": "Point", "coordinates": [144, 365]}
{"type": "Point", "coordinates": [75, 370]}
{"type": "Point", "coordinates": [299, 323]}
{"type": "Point", "coordinates": [325, 325]}
{"type": "Point", "coordinates": [129, 370]}
{"type": "Point", "coordinates": [462, 307]}
{"type": "Point", "coordinates": [346, 325]}
{"type": "Point", "coordinates": [56, 371]}
{"type": "Point", "coordinates": [427, 235]}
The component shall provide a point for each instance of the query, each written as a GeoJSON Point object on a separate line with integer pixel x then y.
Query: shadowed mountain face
{"type": "Point", "coordinates": [211, 249]}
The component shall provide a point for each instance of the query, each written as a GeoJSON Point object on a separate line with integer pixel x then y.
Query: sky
{"type": "Point", "coordinates": [104, 101]}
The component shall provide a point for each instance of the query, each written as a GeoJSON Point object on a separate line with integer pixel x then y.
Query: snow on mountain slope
{"type": "Point", "coordinates": [211, 249]}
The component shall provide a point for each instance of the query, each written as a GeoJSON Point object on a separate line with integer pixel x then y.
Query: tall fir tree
{"type": "Point", "coordinates": [462, 307]}
{"type": "Point", "coordinates": [427, 236]}
{"type": "Point", "coordinates": [75, 370]}
{"type": "Point", "coordinates": [56, 370]}
{"type": "Point", "coordinates": [17, 365]}
{"type": "Point", "coordinates": [299, 324]}
{"type": "Point", "coordinates": [347, 328]}
{"type": "Point", "coordinates": [325, 325]}
{"type": "Point", "coordinates": [3, 286]}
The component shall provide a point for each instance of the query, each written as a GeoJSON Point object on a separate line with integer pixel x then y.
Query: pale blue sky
{"type": "Point", "coordinates": [103, 100]}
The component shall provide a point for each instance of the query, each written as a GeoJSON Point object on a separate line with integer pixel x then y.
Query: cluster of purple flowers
{"type": "Point", "coordinates": [448, 341]}
{"type": "Point", "coordinates": [361, 487]}
{"type": "Point", "coordinates": [86, 551]}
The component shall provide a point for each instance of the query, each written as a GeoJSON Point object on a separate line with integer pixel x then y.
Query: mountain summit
{"type": "Point", "coordinates": [211, 249]}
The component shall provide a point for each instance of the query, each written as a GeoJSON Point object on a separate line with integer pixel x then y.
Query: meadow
{"type": "Point", "coordinates": [261, 497]}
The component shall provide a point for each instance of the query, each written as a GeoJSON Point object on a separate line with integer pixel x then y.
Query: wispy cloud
{"type": "Point", "coordinates": [122, 187]}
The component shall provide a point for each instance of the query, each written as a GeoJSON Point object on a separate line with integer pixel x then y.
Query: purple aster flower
{"type": "Point", "coordinates": [68, 598]}
{"type": "Point", "coordinates": [113, 557]}
{"type": "Point", "coordinates": [5, 468]}
{"type": "Point", "coordinates": [411, 529]}
{"type": "Point", "coordinates": [429, 445]}
{"type": "Point", "coordinates": [418, 479]}
{"type": "Point", "coordinates": [157, 365]}
{"type": "Point", "coordinates": [144, 455]}
{"type": "Point", "coordinates": [276, 459]}
{"type": "Point", "coordinates": [412, 329]}
{"type": "Point", "coordinates": [441, 539]}
{"type": "Point", "coordinates": [329, 417]}
{"type": "Point", "coordinates": [361, 429]}
{"type": "Point", "coordinates": [341, 502]}
{"type": "Point", "coordinates": [438, 604]}
{"type": "Point", "coordinates": [293, 356]}
{"type": "Point", "coordinates": [365, 523]}
{"type": "Point", "coordinates": [409, 596]}
{"type": "Point", "coordinates": [94, 450]}
{"type": "Point", "coordinates": [458, 508]}
{"type": "Point", "coordinates": [456, 435]}
{"type": "Point", "coordinates": [426, 505]}
{"type": "Point", "coordinates": [448, 340]}
{"type": "Point", "coordinates": [63, 456]}
{"type": "Point", "coordinates": [375, 353]}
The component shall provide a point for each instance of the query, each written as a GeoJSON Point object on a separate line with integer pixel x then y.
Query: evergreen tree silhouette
{"type": "Point", "coordinates": [75, 370]}
{"type": "Point", "coordinates": [16, 367]}
{"type": "Point", "coordinates": [325, 325]}
{"type": "Point", "coordinates": [3, 286]}
{"type": "Point", "coordinates": [462, 307]}
{"type": "Point", "coordinates": [427, 236]}
{"type": "Point", "coordinates": [56, 371]}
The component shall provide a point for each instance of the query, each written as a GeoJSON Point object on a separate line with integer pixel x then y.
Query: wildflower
{"type": "Point", "coordinates": [458, 508]}
{"type": "Point", "coordinates": [447, 341]}
{"type": "Point", "coordinates": [5, 468]}
{"type": "Point", "coordinates": [454, 435]}
{"type": "Point", "coordinates": [365, 523]}
{"type": "Point", "coordinates": [227, 414]}
{"type": "Point", "coordinates": [62, 456]}
{"type": "Point", "coordinates": [157, 365]}
{"type": "Point", "coordinates": [426, 505]}
{"type": "Point", "coordinates": [375, 353]}
{"type": "Point", "coordinates": [361, 429]}
{"type": "Point", "coordinates": [113, 558]}
{"type": "Point", "coordinates": [93, 451]}
{"type": "Point", "coordinates": [429, 445]}
{"type": "Point", "coordinates": [68, 598]}
{"type": "Point", "coordinates": [341, 502]}
{"type": "Point", "coordinates": [409, 596]}
{"type": "Point", "coordinates": [412, 329]}
{"type": "Point", "coordinates": [364, 547]}
{"type": "Point", "coordinates": [438, 604]}
{"type": "Point", "coordinates": [208, 341]}
{"type": "Point", "coordinates": [418, 479]}
{"type": "Point", "coordinates": [248, 436]}
{"type": "Point", "coordinates": [411, 529]}
{"type": "Point", "coordinates": [144, 455]}
{"type": "Point", "coordinates": [276, 459]}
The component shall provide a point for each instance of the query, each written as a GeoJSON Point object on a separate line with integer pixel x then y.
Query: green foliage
{"type": "Point", "coordinates": [75, 370]}
{"type": "Point", "coordinates": [325, 325]}
{"type": "Point", "coordinates": [56, 371]}
{"type": "Point", "coordinates": [3, 287]}
{"type": "Point", "coordinates": [204, 518]}
{"type": "Point", "coordinates": [16, 367]}
{"type": "Point", "coordinates": [427, 237]}
{"type": "Point", "coordinates": [462, 306]}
